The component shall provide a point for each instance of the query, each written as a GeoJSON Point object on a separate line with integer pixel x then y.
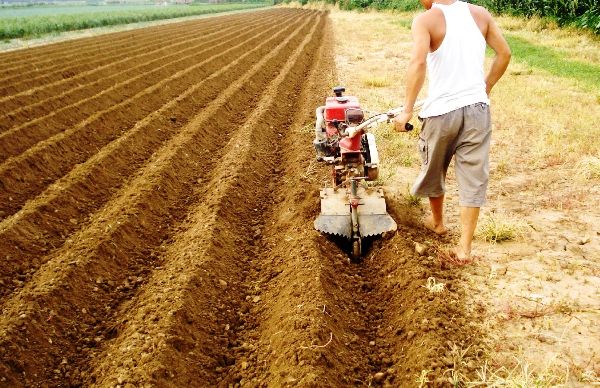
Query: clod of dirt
{"type": "Point", "coordinates": [420, 248]}
{"type": "Point", "coordinates": [379, 377]}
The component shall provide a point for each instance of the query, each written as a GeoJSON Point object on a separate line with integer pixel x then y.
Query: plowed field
{"type": "Point", "coordinates": [157, 195]}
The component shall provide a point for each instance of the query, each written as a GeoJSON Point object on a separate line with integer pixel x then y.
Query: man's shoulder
{"type": "Point", "coordinates": [430, 17]}
{"type": "Point", "coordinates": [479, 12]}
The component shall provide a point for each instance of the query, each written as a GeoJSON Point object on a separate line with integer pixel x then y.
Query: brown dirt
{"type": "Point", "coordinates": [156, 222]}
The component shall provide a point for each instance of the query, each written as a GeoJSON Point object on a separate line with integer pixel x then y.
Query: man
{"type": "Point", "coordinates": [449, 40]}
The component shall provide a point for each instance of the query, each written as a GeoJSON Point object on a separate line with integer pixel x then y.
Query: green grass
{"type": "Point", "coordinates": [552, 61]}
{"type": "Point", "coordinates": [43, 20]}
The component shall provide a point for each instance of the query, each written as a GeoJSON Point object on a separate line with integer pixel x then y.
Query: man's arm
{"type": "Point", "coordinates": [497, 42]}
{"type": "Point", "coordinates": [417, 69]}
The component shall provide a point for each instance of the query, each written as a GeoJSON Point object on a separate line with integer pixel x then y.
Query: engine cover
{"type": "Point", "coordinates": [335, 107]}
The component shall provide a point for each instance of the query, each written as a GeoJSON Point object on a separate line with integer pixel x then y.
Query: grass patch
{"type": "Point", "coordinates": [553, 62]}
{"type": "Point", "coordinates": [376, 82]}
{"type": "Point", "coordinates": [520, 375]}
{"type": "Point", "coordinates": [396, 148]}
{"type": "Point", "coordinates": [96, 16]}
{"type": "Point", "coordinates": [588, 168]}
{"type": "Point", "coordinates": [497, 228]}
{"type": "Point", "coordinates": [405, 22]}
{"type": "Point", "coordinates": [412, 200]}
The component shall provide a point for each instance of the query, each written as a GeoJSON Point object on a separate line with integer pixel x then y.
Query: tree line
{"type": "Point", "coordinates": [580, 13]}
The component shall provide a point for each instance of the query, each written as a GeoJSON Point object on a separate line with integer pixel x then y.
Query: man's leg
{"type": "Point", "coordinates": [435, 222]}
{"type": "Point", "coordinates": [468, 223]}
{"type": "Point", "coordinates": [472, 171]}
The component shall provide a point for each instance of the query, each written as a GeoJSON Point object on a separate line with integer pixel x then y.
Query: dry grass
{"type": "Point", "coordinates": [522, 374]}
{"type": "Point", "coordinates": [497, 227]}
{"type": "Point", "coordinates": [434, 287]}
{"type": "Point", "coordinates": [588, 168]}
{"type": "Point", "coordinates": [376, 81]}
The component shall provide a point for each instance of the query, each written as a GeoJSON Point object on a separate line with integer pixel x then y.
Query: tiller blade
{"type": "Point", "coordinates": [373, 218]}
{"type": "Point", "coordinates": [335, 218]}
{"type": "Point", "coordinates": [335, 213]}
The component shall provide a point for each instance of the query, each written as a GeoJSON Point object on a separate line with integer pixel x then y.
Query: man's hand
{"type": "Point", "coordinates": [400, 121]}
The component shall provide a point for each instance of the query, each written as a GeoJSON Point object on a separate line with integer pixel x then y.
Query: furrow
{"type": "Point", "coordinates": [67, 66]}
{"type": "Point", "coordinates": [198, 284]}
{"type": "Point", "coordinates": [97, 271]}
{"type": "Point", "coordinates": [24, 176]}
{"type": "Point", "coordinates": [296, 333]}
{"type": "Point", "coordinates": [36, 122]}
{"type": "Point", "coordinates": [48, 219]}
{"type": "Point", "coordinates": [45, 57]}
{"type": "Point", "coordinates": [67, 74]}
{"type": "Point", "coordinates": [25, 109]}
{"type": "Point", "coordinates": [58, 50]}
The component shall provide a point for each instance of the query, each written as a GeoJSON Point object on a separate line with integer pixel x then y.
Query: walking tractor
{"type": "Point", "coordinates": [349, 207]}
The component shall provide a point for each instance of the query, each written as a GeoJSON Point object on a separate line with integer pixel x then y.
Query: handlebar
{"type": "Point", "coordinates": [381, 117]}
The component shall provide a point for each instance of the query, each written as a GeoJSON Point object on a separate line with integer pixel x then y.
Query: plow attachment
{"type": "Point", "coordinates": [336, 213]}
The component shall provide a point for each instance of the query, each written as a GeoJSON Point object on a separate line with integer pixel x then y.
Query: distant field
{"type": "Point", "coordinates": [20, 22]}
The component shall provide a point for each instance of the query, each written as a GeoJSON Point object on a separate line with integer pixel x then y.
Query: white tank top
{"type": "Point", "coordinates": [455, 69]}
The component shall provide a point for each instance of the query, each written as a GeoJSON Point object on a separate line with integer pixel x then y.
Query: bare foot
{"type": "Point", "coordinates": [455, 257]}
{"type": "Point", "coordinates": [460, 253]}
{"type": "Point", "coordinates": [437, 229]}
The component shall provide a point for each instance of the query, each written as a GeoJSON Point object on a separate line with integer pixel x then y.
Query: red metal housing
{"type": "Point", "coordinates": [335, 109]}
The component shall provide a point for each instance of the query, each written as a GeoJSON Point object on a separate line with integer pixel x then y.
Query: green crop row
{"type": "Point", "coordinates": [33, 26]}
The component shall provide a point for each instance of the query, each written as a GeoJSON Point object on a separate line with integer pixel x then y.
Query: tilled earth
{"type": "Point", "coordinates": [157, 195]}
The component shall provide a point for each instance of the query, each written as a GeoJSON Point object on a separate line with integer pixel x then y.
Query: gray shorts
{"type": "Point", "coordinates": [466, 133]}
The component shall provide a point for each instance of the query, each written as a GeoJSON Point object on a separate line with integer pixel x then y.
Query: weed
{"type": "Point", "coordinates": [588, 168]}
{"type": "Point", "coordinates": [521, 375]}
{"type": "Point", "coordinates": [308, 128]}
{"type": "Point", "coordinates": [411, 199]}
{"type": "Point", "coordinates": [502, 168]}
{"type": "Point", "coordinates": [422, 379]}
{"type": "Point", "coordinates": [376, 81]}
{"type": "Point", "coordinates": [589, 376]}
{"type": "Point", "coordinates": [497, 228]}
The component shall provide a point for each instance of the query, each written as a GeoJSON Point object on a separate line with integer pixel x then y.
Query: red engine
{"type": "Point", "coordinates": [334, 146]}
{"type": "Point", "coordinates": [338, 113]}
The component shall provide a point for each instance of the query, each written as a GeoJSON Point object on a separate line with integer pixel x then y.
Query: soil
{"type": "Point", "coordinates": [158, 196]}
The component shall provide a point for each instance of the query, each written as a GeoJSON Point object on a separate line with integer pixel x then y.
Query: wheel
{"type": "Point", "coordinates": [356, 249]}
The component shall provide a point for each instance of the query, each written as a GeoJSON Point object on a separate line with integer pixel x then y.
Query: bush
{"type": "Point", "coordinates": [581, 13]}
{"type": "Point", "coordinates": [590, 19]}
